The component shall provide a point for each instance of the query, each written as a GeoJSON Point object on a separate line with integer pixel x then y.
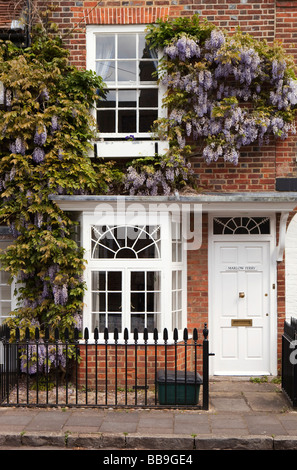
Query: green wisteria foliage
{"type": "Point", "coordinates": [45, 134]}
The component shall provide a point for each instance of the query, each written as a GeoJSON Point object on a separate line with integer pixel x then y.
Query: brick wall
{"type": "Point", "coordinates": [121, 364]}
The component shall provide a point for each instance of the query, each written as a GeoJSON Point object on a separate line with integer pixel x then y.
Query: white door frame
{"type": "Point", "coordinates": [273, 278]}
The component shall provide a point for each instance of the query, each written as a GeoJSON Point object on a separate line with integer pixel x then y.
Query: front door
{"type": "Point", "coordinates": [241, 314]}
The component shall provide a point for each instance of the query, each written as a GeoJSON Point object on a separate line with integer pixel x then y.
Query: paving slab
{"type": "Point", "coordinates": [262, 401]}
{"type": "Point", "coordinates": [230, 403]}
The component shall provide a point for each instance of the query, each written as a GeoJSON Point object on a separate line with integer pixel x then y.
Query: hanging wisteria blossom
{"type": "Point", "coordinates": [38, 155]}
{"type": "Point", "coordinates": [40, 136]}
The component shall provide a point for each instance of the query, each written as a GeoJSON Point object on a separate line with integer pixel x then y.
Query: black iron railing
{"type": "Point", "coordinates": [106, 370]}
{"type": "Point", "coordinates": [289, 361]}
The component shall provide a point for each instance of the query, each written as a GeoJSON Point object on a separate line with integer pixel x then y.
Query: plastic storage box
{"type": "Point", "coordinates": [176, 388]}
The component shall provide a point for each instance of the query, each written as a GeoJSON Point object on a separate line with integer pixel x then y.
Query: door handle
{"type": "Point", "coordinates": [241, 295]}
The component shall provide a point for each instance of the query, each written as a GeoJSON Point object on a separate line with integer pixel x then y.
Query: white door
{"type": "Point", "coordinates": [241, 315]}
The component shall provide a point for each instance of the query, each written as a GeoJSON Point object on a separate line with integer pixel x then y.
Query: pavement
{"type": "Point", "coordinates": [243, 415]}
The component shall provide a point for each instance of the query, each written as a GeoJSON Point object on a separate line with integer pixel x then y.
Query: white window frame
{"type": "Point", "coordinates": [165, 265]}
{"type": "Point", "coordinates": [116, 145]}
{"type": "Point", "coordinates": [11, 287]}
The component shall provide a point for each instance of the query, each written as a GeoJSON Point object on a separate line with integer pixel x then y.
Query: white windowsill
{"type": "Point", "coordinates": [130, 149]}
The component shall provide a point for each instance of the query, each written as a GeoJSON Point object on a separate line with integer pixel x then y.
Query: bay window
{"type": "Point", "coordinates": [136, 275]}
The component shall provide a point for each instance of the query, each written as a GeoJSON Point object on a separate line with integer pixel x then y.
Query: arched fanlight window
{"type": "Point", "coordinates": [125, 241]}
{"type": "Point", "coordinates": [241, 226]}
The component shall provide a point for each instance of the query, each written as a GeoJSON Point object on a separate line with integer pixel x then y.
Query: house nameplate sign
{"type": "Point", "coordinates": [241, 322]}
{"type": "Point", "coordinates": [241, 268]}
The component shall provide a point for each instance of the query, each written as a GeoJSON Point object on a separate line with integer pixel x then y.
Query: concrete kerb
{"type": "Point", "coordinates": [139, 442]}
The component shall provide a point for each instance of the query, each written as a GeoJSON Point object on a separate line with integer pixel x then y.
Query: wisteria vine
{"type": "Point", "coordinates": [45, 134]}
{"type": "Point", "coordinates": [226, 90]}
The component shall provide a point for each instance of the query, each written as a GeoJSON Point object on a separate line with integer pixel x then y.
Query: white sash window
{"type": "Point", "coordinates": [133, 97]}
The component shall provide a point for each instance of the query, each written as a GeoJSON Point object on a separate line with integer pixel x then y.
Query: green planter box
{"type": "Point", "coordinates": [174, 390]}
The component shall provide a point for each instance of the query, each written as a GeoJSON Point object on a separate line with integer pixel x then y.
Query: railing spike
{"type": "Point", "coordinates": [116, 334]}
{"type": "Point", "coordinates": [156, 334]}
{"type": "Point", "coordinates": [205, 331]}
{"type": "Point", "coordinates": [36, 334]}
{"type": "Point", "coordinates": [165, 334]}
{"type": "Point", "coordinates": [126, 334]}
{"type": "Point", "coordinates": [106, 336]}
{"type": "Point", "coordinates": [175, 334]}
{"type": "Point", "coordinates": [27, 334]}
{"type": "Point", "coordinates": [186, 336]}
{"type": "Point", "coordinates": [86, 334]}
{"type": "Point", "coordinates": [96, 334]}
{"type": "Point", "coordinates": [7, 334]}
{"type": "Point", "coordinates": [17, 334]}
{"type": "Point", "coordinates": [66, 334]}
{"type": "Point", "coordinates": [145, 334]}
{"type": "Point", "coordinates": [135, 334]}
{"type": "Point", "coordinates": [195, 334]}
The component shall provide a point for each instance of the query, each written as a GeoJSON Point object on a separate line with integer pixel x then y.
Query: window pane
{"type": "Point", "coordinates": [106, 121]}
{"type": "Point", "coordinates": [144, 52]}
{"type": "Point", "coordinates": [5, 308]}
{"type": "Point", "coordinates": [148, 98]}
{"type": "Point", "coordinates": [98, 280]}
{"type": "Point", "coordinates": [137, 302]}
{"type": "Point", "coordinates": [106, 70]}
{"type": "Point", "coordinates": [99, 302]}
{"type": "Point", "coordinates": [126, 71]}
{"type": "Point", "coordinates": [146, 119]}
{"type": "Point", "coordinates": [105, 46]}
{"type": "Point", "coordinates": [102, 322]}
{"type": "Point", "coordinates": [147, 70]}
{"type": "Point", "coordinates": [4, 277]}
{"type": "Point", "coordinates": [109, 101]}
{"type": "Point", "coordinates": [153, 302]}
{"type": "Point", "coordinates": [114, 281]}
{"type": "Point", "coordinates": [137, 321]}
{"type": "Point", "coordinates": [127, 99]}
{"type": "Point", "coordinates": [137, 281]}
{"type": "Point", "coordinates": [114, 302]}
{"type": "Point", "coordinates": [127, 121]}
{"type": "Point", "coordinates": [5, 293]}
{"type": "Point", "coordinates": [114, 321]}
{"type": "Point", "coordinates": [151, 322]}
{"type": "Point", "coordinates": [153, 280]}
{"type": "Point", "coordinates": [126, 253]}
{"type": "Point", "coordinates": [127, 46]}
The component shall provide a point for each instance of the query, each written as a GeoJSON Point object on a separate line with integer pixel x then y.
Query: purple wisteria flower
{"type": "Point", "coordinates": [38, 155]}
{"type": "Point", "coordinates": [184, 48]}
{"type": "Point", "coordinates": [40, 136]}
{"type": "Point", "coordinates": [18, 146]}
{"type": "Point", "coordinates": [55, 123]}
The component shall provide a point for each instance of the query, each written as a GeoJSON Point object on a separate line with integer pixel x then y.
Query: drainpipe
{"type": "Point", "coordinates": [29, 21]}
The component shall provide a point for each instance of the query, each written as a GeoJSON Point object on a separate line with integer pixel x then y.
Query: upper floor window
{"type": "Point", "coordinates": [133, 99]}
